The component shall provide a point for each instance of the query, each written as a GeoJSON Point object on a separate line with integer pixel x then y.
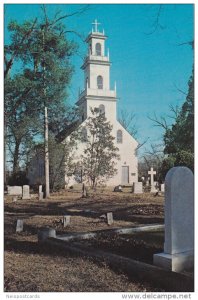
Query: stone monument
{"type": "Point", "coordinates": [40, 192]}
{"type": "Point", "coordinates": [19, 226]}
{"type": "Point", "coordinates": [137, 188]}
{"type": "Point", "coordinates": [178, 252]}
{"type": "Point", "coordinates": [26, 192]}
{"type": "Point", "coordinates": [14, 190]}
{"type": "Point", "coordinates": [152, 173]}
{"type": "Point", "coordinates": [110, 218]}
{"type": "Point", "coordinates": [66, 220]}
{"type": "Point", "coordinates": [162, 187]}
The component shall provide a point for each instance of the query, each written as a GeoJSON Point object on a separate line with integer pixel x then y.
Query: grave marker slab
{"type": "Point", "coordinates": [162, 187]}
{"type": "Point", "coordinates": [179, 221]}
{"type": "Point", "coordinates": [14, 190]}
{"type": "Point", "coordinates": [26, 192]}
{"type": "Point", "coordinates": [40, 188]}
{"type": "Point", "coordinates": [40, 195]}
{"type": "Point", "coordinates": [110, 218]}
{"type": "Point", "coordinates": [137, 188]}
{"type": "Point", "coordinates": [14, 199]}
{"type": "Point", "coordinates": [66, 220]}
{"type": "Point", "coordinates": [19, 226]}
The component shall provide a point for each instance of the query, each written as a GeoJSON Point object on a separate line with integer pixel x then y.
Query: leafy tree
{"type": "Point", "coordinates": [44, 51]}
{"type": "Point", "coordinates": [100, 154]}
{"type": "Point", "coordinates": [179, 139]}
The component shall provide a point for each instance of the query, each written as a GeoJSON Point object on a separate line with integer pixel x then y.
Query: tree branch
{"type": "Point", "coordinates": [10, 62]}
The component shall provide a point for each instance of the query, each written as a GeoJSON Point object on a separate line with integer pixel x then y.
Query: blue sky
{"type": "Point", "coordinates": [146, 67]}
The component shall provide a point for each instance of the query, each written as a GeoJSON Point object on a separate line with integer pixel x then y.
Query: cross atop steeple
{"type": "Point", "coordinates": [95, 23]}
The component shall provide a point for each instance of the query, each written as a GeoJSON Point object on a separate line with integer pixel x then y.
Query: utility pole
{"type": "Point", "coordinates": [47, 190]}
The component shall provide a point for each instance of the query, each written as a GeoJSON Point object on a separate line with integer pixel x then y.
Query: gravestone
{"type": "Point", "coordinates": [14, 199]}
{"type": "Point", "coordinates": [118, 188]}
{"type": "Point", "coordinates": [14, 190]}
{"type": "Point", "coordinates": [40, 188]}
{"type": "Point", "coordinates": [137, 188]}
{"type": "Point", "coordinates": [178, 252]}
{"type": "Point", "coordinates": [162, 188]}
{"type": "Point", "coordinates": [110, 218]}
{"type": "Point", "coordinates": [40, 195]}
{"type": "Point", "coordinates": [45, 233]}
{"type": "Point", "coordinates": [19, 226]}
{"type": "Point", "coordinates": [26, 192]}
{"type": "Point", "coordinates": [152, 173]}
{"type": "Point", "coordinates": [66, 220]}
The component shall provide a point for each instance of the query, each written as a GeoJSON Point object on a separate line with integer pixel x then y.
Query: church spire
{"type": "Point", "coordinates": [95, 23]}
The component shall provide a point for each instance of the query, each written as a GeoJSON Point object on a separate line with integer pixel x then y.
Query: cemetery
{"type": "Point", "coordinates": [99, 166]}
{"type": "Point", "coordinates": [125, 232]}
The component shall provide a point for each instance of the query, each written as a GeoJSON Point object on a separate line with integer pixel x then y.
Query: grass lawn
{"type": "Point", "coordinates": [30, 267]}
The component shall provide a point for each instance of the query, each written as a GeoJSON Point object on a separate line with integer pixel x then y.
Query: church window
{"type": "Point", "coordinates": [101, 109]}
{"type": "Point", "coordinates": [119, 136]}
{"type": "Point", "coordinates": [100, 82]}
{"type": "Point", "coordinates": [98, 49]}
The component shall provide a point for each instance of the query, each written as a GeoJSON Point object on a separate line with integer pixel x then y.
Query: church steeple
{"type": "Point", "coordinates": [96, 59]}
{"type": "Point", "coordinates": [96, 68]}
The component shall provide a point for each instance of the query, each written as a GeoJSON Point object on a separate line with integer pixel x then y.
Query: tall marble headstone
{"type": "Point", "coordinates": [40, 188]}
{"type": "Point", "coordinates": [152, 173]}
{"type": "Point", "coordinates": [178, 252]}
{"type": "Point", "coordinates": [26, 192]}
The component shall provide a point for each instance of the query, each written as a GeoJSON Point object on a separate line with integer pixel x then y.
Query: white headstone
{"type": "Point", "coordinates": [40, 188]}
{"type": "Point", "coordinates": [19, 226]}
{"type": "Point", "coordinates": [14, 199]}
{"type": "Point", "coordinates": [162, 188]}
{"type": "Point", "coordinates": [179, 221]}
{"type": "Point", "coordinates": [26, 192]}
{"type": "Point", "coordinates": [40, 195]}
{"type": "Point", "coordinates": [14, 190]}
{"type": "Point", "coordinates": [137, 188]}
{"type": "Point", "coordinates": [66, 220]}
{"type": "Point", "coordinates": [110, 218]}
{"type": "Point", "coordinates": [152, 173]}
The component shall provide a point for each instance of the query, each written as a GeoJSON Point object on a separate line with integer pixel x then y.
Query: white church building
{"type": "Point", "coordinates": [97, 93]}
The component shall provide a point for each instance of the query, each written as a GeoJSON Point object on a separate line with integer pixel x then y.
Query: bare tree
{"type": "Point", "coordinates": [127, 120]}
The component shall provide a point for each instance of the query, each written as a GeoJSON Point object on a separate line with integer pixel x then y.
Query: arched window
{"type": "Point", "coordinates": [119, 136]}
{"type": "Point", "coordinates": [100, 82]}
{"type": "Point", "coordinates": [101, 109]}
{"type": "Point", "coordinates": [98, 49]}
{"type": "Point", "coordinates": [84, 134]}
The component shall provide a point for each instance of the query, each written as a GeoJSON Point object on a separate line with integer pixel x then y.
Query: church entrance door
{"type": "Point", "coordinates": [125, 175]}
